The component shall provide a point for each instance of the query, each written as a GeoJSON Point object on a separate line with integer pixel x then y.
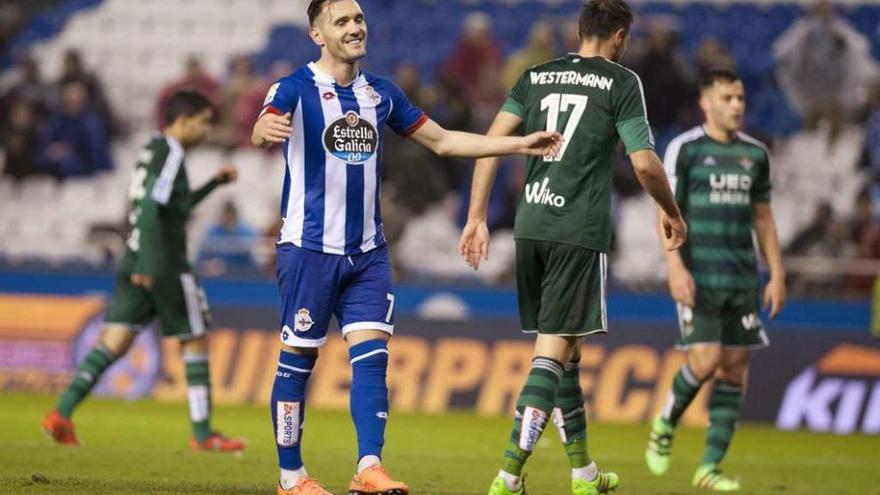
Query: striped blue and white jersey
{"type": "Point", "coordinates": [330, 199]}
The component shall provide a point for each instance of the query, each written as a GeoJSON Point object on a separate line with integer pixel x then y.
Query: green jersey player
{"type": "Point", "coordinates": [563, 226]}
{"type": "Point", "coordinates": [721, 178]}
{"type": "Point", "coordinates": [154, 279]}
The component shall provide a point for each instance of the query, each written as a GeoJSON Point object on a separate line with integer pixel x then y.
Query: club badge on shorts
{"type": "Point", "coordinates": [303, 320]}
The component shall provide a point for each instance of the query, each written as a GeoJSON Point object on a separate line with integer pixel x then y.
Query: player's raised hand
{"type": "Point", "coordinates": [774, 296]}
{"type": "Point", "coordinates": [273, 128]}
{"type": "Point", "coordinates": [542, 143]}
{"type": "Point", "coordinates": [474, 243]}
{"type": "Point", "coordinates": [676, 232]}
{"type": "Point", "coordinates": [227, 174]}
{"type": "Point", "coordinates": [141, 280]}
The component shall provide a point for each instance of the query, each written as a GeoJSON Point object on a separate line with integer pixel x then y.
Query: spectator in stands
{"type": "Point", "coordinates": [669, 83]}
{"type": "Point", "coordinates": [476, 51]}
{"type": "Point", "coordinates": [73, 70]}
{"type": "Point", "coordinates": [822, 63]}
{"type": "Point", "coordinates": [808, 238]}
{"type": "Point", "coordinates": [243, 82]}
{"type": "Point", "coordinates": [712, 55]}
{"type": "Point", "coordinates": [11, 16]}
{"type": "Point", "coordinates": [20, 139]}
{"type": "Point", "coordinates": [75, 143]}
{"type": "Point", "coordinates": [25, 83]}
{"type": "Point", "coordinates": [863, 217]}
{"type": "Point", "coordinates": [409, 190]}
{"type": "Point", "coordinates": [872, 132]}
{"type": "Point", "coordinates": [540, 48]}
{"type": "Point", "coordinates": [250, 102]}
{"type": "Point", "coordinates": [409, 80]}
{"type": "Point", "coordinates": [195, 77]}
{"type": "Point", "coordinates": [228, 245]}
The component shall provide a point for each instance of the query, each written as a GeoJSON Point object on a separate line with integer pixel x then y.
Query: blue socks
{"type": "Point", "coordinates": [288, 406]}
{"type": "Point", "coordinates": [369, 401]}
{"type": "Point", "coordinates": [369, 395]}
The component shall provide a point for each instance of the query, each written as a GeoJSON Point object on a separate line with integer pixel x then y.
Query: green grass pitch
{"type": "Point", "coordinates": [139, 447]}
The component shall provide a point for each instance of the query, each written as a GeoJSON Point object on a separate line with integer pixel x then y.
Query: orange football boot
{"type": "Point", "coordinates": [59, 428]}
{"type": "Point", "coordinates": [218, 443]}
{"type": "Point", "coordinates": [375, 481]}
{"type": "Point", "coordinates": [305, 486]}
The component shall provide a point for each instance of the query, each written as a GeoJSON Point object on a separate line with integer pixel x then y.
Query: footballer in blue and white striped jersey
{"type": "Point", "coordinates": [332, 260]}
{"type": "Point", "coordinates": [330, 199]}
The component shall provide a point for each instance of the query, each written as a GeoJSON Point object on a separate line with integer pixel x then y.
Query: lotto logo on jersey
{"type": "Point", "coordinates": [351, 139]}
{"type": "Point", "coordinates": [533, 422]}
{"type": "Point", "coordinates": [287, 418]}
{"type": "Point", "coordinates": [539, 193]}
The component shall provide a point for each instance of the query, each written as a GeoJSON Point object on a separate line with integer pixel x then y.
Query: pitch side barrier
{"type": "Point", "coordinates": [811, 377]}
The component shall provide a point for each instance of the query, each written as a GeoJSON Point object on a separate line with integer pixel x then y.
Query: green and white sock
{"type": "Point", "coordinates": [198, 393]}
{"type": "Point", "coordinates": [533, 409]}
{"type": "Point", "coordinates": [87, 376]}
{"type": "Point", "coordinates": [724, 404]}
{"type": "Point", "coordinates": [685, 387]}
{"type": "Point", "coordinates": [571, 419]}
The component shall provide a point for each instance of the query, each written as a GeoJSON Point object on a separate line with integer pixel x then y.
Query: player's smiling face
{"type": "Point", "coordinates": [725, 105]}
{"type": "Point", "coordinates": [342, 30]}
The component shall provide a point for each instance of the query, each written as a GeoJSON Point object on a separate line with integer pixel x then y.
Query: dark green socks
{"type": "Point", "coordinates": [685, 386]}
{"type": "Point", "coordinates": [87, 375]}
{"type": "Point", "coordinates": [570, 417]}
{"type": "Point", "coordinates": [198, 392]}
{"type": "Point", "coordinates": [724, 405]}
{"type": "Point", "coordinates": [533, 409]}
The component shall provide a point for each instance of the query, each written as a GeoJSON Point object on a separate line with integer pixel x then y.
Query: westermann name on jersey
{"type": "Point", "coordinates": [572, 77]}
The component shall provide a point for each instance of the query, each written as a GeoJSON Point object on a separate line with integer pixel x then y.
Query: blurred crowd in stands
{"type": "Point", "coordinates": [59, 128]}
{"type": "Point", "coordinates": [63, 128]}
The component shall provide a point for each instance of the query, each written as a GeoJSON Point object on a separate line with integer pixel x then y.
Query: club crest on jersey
{"type": "Point", "coordinates": [373, 95]}
{"type": "Point", "coordinates": [304, 320]}
{"type": "Point", "coordinates": [747, 163]}
{"type": "Point", "coordinates": [351, 138]}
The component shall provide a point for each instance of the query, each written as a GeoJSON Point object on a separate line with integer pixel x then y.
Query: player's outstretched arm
{"type": "Point", "coordinates": [768, 240]}
{"type": "Point", "coordinates": [271, 129]}
{"type": "Point", "coordinates": [444, 142]}
{"type": "Point", "coordinates": [650, 172]}
{"type": "Point", "coordinates": [474, 243]}
{"type": "Point", "coordinates": [227, 174]}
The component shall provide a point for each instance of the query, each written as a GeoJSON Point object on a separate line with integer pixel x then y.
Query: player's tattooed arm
{"type": "Point", "coordinates": [271, 129]}
{"type": "Point", "coordinates": [474, 243]}
{"type": "Point", "coordinates": [768, 240]}
{"type": "Point", "coordinates": [444, 142]}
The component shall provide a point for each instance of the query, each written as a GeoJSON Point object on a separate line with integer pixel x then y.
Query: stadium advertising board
{"type": "Point", "coordinates": [823, 381]}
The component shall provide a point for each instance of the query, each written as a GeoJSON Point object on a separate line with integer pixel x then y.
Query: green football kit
{"type": "Point", "coordinates": [716, 186]}
{"type": "Point", "coordinates": [161, 202]}
{"type": "Point", "coordinates": [563, 222]}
